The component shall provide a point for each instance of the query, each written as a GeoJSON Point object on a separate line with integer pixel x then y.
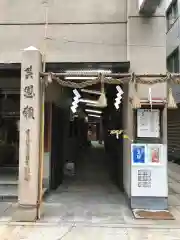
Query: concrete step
{"type": "Point", "coordinates": [9, 170]}
{"type": "Point", "coordinates": [8, 183]}
{"type": "Point", "coordinates": [8, 193]}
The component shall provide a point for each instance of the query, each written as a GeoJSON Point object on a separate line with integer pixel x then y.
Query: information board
{"type": "Point", "coordinates": [149, 170]}
{"type": "Point", "coordinates": [148, 123]}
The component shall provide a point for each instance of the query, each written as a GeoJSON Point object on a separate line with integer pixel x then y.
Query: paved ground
{"type": "Point", "coordinates": [68, 232]}
{"type": "Point", "coordinates": [90, 207]}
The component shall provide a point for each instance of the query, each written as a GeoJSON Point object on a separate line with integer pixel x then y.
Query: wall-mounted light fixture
{"type": "Point", "coordinates": [93, 111]}
{"type": "Point", "coordinates": [93, 115]}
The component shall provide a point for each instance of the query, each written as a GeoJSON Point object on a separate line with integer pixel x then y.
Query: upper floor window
{"type": "Point", "coordinates": [173, 61]}
{"type": "Point", "coordinates": [172, 14]}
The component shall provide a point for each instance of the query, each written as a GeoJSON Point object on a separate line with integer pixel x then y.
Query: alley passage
{"type": "Point", "coordinates": [90, 195]}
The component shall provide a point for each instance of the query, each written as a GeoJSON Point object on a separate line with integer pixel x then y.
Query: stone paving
{"type": "Point", "coordinates": [87, 209]}
{"type": "Point", "coordinates": [99, 211]}
{"type": "Point", "coordinates": [73, 232]}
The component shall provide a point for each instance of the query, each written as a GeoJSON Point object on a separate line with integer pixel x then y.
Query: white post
{"type": "Point", "coordinates": [30, 122]}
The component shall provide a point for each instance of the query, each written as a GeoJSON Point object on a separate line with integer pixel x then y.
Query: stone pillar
{"type": "Point", "coordinates": [128, 127]}
{"type": "Point", "coordinates": [30, 121]}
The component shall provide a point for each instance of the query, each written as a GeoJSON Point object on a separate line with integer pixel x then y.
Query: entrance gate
{"type": "Point", "coordinates": [33, 82]}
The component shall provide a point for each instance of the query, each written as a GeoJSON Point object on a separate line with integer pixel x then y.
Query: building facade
{"type": "Point", "coordinates": [84, 32]}
{"type": "Point", "coordinates": [103, 32]}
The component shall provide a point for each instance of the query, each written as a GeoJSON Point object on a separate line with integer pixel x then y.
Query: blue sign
{"type": "Point", "coordinates": [138, 154]}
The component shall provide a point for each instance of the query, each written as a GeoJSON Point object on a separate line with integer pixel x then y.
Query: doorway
{"type": "Point", "coordinates": [87, 161]}
{"type": "Point", "coordinates": [84, 139]}
{"type": "Point", "coordinates": [9, 130]}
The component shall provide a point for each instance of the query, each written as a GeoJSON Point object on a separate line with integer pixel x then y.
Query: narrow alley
{"type": "Point", "coordinates": [90, 195]}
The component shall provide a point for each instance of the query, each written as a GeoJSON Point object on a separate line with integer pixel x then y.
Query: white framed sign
{"type": "Point", "coordinates": [149, 178]}
{"type": "Point", "coordinates": [138, 154]}
{"type": "Point", "coordinates": [149, 181]}
{"type": "Point", "coordinates": [155, 154]}
{"type": "Point", "coordinates": [148, 154]}
{"type": "Point", "coordinates": [148, 123]}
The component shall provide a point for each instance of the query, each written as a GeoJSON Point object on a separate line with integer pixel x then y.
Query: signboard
{"type": "Point", "coordinates": [138, 153]}
{"type": "Point", "coordinates": [155, 154]}
{"type": "Point", "coordinates": [149, 161]}
{"type": "Point", "coordinates": [30, 122]}
{"type": "Point", "coordinates": [148, 123]}
{"type": "Point", "coordinates": [148, 154]}
{"type": "Point", "coordinates": [144, 178]}
{"type": "Point", "coordinates": [27, 113]}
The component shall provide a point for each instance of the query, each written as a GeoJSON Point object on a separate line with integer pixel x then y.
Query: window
{"type": "Point", "coordinates": [173, 61]}
{"type": "Point", "coordinates": [172, 14]}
